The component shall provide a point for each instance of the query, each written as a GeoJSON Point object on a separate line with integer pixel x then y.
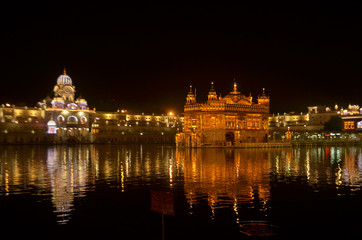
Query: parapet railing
{"type": "Point", "coordinates": [225, 107]}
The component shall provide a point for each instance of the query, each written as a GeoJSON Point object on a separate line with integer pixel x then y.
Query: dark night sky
{"type": "Point", "coordinates": [146, 57]}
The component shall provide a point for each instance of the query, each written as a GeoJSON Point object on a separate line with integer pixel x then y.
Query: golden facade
{"type": "Point", "coordinates": [232, 120]}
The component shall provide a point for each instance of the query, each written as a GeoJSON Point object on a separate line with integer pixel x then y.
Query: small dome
{"type": "Point", "coordinates": [64, 79]}
{"type": "Point", "coordinates": [51, 123]}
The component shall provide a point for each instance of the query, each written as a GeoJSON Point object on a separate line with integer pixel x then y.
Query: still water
{"type": "Point", "coordinates": [104, 190]}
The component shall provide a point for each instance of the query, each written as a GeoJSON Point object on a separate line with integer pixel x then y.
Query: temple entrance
{"type": "Point", "coordinates": [229, 139]}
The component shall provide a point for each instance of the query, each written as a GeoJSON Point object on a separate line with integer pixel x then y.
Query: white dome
{"type": "Point", "coordinates": [64, 80]}
{"type": "Point", "coordinates": [51, 123]}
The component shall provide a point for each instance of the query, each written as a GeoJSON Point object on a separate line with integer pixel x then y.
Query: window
{"type": "Point", "coordinates": [359, 124]}
{"type": "Point", "coordinates": [60, 119]}
{"type": "Point", "coordinates": [72, 119]}
{"type": "Point", "coordinates": [349, 125]}
{"type": "Point", "coordinates": [83, 120]}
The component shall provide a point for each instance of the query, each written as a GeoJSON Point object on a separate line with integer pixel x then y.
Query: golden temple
{"type": "Point", "coordinates": [229, 121]}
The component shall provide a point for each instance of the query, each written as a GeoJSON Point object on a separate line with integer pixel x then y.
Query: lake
{"type": "Point", "coordinates": [84, 191]}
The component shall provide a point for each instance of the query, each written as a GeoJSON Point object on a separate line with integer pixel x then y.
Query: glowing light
{"type": "Point", "coordinates": [170, 113]}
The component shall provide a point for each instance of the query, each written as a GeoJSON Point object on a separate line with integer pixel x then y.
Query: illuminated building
{"type": "Point", "coordinates": [113, 127]}
{"type": "Point", "coordinates": [232, 120]}
{"type": "Point", "coordinates": [311, 125]}
{"type": "Point", "coordinates": [310, 122]}
{"type": "Point", "coordinates": [64, 118]}
{"type": "Point", "coordinates": [352, 119]}
{"type": "Point", "coordinates": [67, 118]}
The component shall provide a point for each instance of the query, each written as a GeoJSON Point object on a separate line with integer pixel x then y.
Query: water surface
{"type": "Point", "coordinates": [89, 190]}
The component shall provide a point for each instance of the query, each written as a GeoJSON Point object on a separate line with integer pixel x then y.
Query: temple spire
{"type": "Point", "coordinates": [212, 93]}
{"type": "Point", "coordinates": [64, 71]}
{"type": "Point", "coordinates": [263, 99]}
{"type": "Point", "coordinates": [235, 91]}
{"type": "Point", "coordinates": [235, 86]}
{"type": "Point", "coordinates": [191, 96]}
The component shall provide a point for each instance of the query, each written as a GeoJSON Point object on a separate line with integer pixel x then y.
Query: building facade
{"type": "Point", "coordinates": [66, 119]}
{"type": "Point", "coordinates": [224, 121]}
{"type": "Point", "coordinates": [300, 124]}
{"type": "Point", "coordinates": [352, 119]}
{"type": "Point", "coordinates": [311, 125]}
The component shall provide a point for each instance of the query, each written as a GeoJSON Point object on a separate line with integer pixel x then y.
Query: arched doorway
{"type": "Point", "coordinates": [229, 138]}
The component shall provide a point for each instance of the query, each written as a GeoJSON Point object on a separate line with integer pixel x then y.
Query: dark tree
{"type": "Point", "coordinates": [334, 124]}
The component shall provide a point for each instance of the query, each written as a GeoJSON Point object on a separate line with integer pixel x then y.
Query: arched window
{"type": "Point", "coordinates": [83, 120]}
{"type": "Point", "coordinates": [72, 119]}
{"type": "Point", "coordinates": [60, 119]}
{"type": "Point", "coordinates": [359, 124]}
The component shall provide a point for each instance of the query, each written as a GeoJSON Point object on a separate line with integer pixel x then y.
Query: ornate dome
{"type": "Point", "coordinates": [51, 123]}
{"type": "Point", "coordinates": [64, 79]}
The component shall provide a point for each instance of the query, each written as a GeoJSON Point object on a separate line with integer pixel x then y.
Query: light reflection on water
{"type": "Point", "coordinates": [227, 179]}
{"type": "Point", "coordinates": [320, 167]}
{"type": "Point", "coordinates": [236, 185]}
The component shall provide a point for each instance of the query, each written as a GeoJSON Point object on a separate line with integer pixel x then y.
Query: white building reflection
{"type": "Point", "coordinates": [69, 175]}
{"type": "Point", "coordinates": [66, 173]}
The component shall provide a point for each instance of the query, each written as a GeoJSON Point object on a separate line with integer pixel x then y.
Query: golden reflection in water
{"type": "Point", "coordinates": [352, 168]}
{"type": "Point", "coordinates": [242, 178]}
{"type": "Point", "coordinates": [227, 177]}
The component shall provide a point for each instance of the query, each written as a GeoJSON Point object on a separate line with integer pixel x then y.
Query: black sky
{"type": "Point", "coordinates": [145, 58]}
